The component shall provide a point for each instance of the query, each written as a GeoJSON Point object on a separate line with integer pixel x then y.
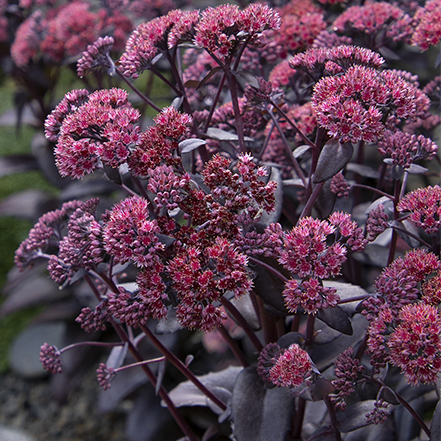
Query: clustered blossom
{"type": "Point", "coordinates": [151, 39]}
{"type": "Point", "coordinates": [81, 248]}
{"type": "Point", "coordinates": [410, 340]}
{"type": "Point", "coordinates": [352, 106]}
{"type": "Point", "coordinates": [93, 320]}
{"type": "Point", "coordinates": [376, 223]}
{"type": "Point", "coordinates": [334, 60]}
{"type": "Point", "coordinates": [292, 368]}
{"type": "Point", "coordinates": [50, 359]}
{"type": "Point", "coordinates": [68, 105]}
{"type": "Point", "coordinates": [267, 359]}
{"type": "Point", "coordinates": [431, 290]}
{"type": "Point", "coordinates": [46, 231]}
{"type": "Point", "coordinates": [101, 129]}
{"type": "Point", "coordinates": [129, 234]}
{"type": "Point", "coordinates": [379, 414]}
{"type": "Point", "coordinates": [424, 205]}
{"type": "Point", "coordinates": [301, 23]}
{"type": "Point", "coordinates": [96, 55]}
{"type": "Point", "coordinates": [306, 254]}
{"type": "Point", "coordinates": [339, 185]}
{"type": "Point", "coordinates": [219, 29]}
{"type": "Point", "coordinates": [245, 190]}
{"type": "Point", "coordinates": [105, 375]}
{"type": "Point", "coordinates": [200, 278]}
{"type": "Point", "coordinates": [397, 285]}
{"type": "Point", "coordinates": [348, 371]}
{"type": "Point", "coordinates": [428, 25]}
{"type": "Point", "coordinates": [375, 17]}
{"type": "Point", "coordinates": [167, 187]}
{"type": "Point", "coordinates": [159, 143]}
{"type": "Point", "coordinates": [405, 148]}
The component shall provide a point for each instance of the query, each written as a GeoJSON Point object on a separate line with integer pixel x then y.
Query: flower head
{"type": "Point", "coordinates": [129, 234]}
{"type": "Point", "coordinates": [96, 55]}
{"type": "Point", "coordinates": [292, 367]}
{"type": "Point", "coordinates": [50, 359]}
{"type": "Point", "coordinates": [424, 205]}
{"type": "Point", "coordinates": [415, 343]}
{"type": "Point", "coordinates": [428, 25]}
{"type": "Point", "coordinates": [105, 375]}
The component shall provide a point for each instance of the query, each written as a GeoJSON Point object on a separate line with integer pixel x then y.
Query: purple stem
{"type": "Point", "coordinates": [181, 366]}
{"type": "Point", "coordinates": [234, 347]}
{"type": "Point", "coordinates": [242, 323]}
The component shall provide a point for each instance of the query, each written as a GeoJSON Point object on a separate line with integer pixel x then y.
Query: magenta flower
{"type": "Point", "coordinates": [352, 106]}
{"type": "Point", "coordinates": [292, 367]}
{"type": "Point", "coordinates": [347, 371]}
{"type": "Point", "coordinates": [397, 285]}
{"type": "Point", "coordinates": [404, 148]}
{"type": "Point", "coordinates": [159, 143]}
{"type": "Point", "coordinates": [431, 290]}
{"type": "Point", "coordinates": [47, 230]}
{"type": "Point", "coordinates": [339, 186]}
{"type": "Point", "coordinates": [375, 17]}
{"type": "Point", "coordinates": [105, 375]}
{"type": "Point", "coordinates": [201, 278]}
{"type": "Point", "coordinates": [96, 55]}
{"type": "Point", "coordinates": [50, 359]}
{"type": "Point", "coordinates": [376, 223]}
{"type": "Point", "coordinates": [428, 25]}
{"type": "Point", "coordinates": [415, 343]}
{"type": "Point", "coordinates": [100, 129]}
{"type": "Point", "coordinates": [424, 205]}
{"type": "Point", "coordinates": [151, 39]}
{"type": "Point", "coordinates": [129, 234]}
{"type": "Point", "coordinates": [220, 29]}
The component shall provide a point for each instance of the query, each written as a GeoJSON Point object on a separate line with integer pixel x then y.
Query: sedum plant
{"type": "Point", "coordinates": [271, 208]}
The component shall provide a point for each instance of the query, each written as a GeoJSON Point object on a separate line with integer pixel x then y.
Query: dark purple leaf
{"type": "Point", "coordinates": [415, 169]}
{"type": "Point", "coordinates": [220, 383]}
{"type": "Point", "coordinates": [123, 384]}
{"type": "Point", "coordinates": [323, 434]}
{"type": "Point", "coordinates": [258, 413]}
{"type": "Point", "coordinates": [246, 78]}
{"type": "Point", "coordinates": [269, 287]}
{"type": "Point", "coordinates": [407, 226]}
{"type": "Point", "coordinates": [160, 376]}
{"type": "Point", "coordinates": [32, 291]}
{"type": "Point", "coordinates": [112, 174]}
{"type": "Point", "coordinates": [208, 76]}
{"type": "Point", "coordinates": [27, 204]}
{"type": "Point", "coordinates": [16, 164]}
{"type": "Point", "coordinates": [321, 388]}
{"type": "Point", "coordinates": [333, 157]}
{"type": "Point", "coordinates": [147, 420]}
{"type": "Point", "coordinates": [363, 170]}
{"type": "Point", "coordinates": [388, 53]}
{"type": "Point", "coordinates": [435, 428]}
{"type": "Point", "coordinates": [245, 306]}
{"type": "Point", "coordinates": [336, 319]}
{"type": "Point", "coordinates": [117, 356]}
{"type": "Point", "coordinates": [300, 150]}
{"type": "Point", "coordinates": [188, 145]}
{"type": "Point", "coordinates": [288, 339]}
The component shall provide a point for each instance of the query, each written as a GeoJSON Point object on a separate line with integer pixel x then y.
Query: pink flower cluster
{"type": "Point", "coordinates": [404, 148]}
{"type": "Point", "coordinates": [410, 340]}
{"type": "Point", "coordinates": [101, 129]}
{"type": "Point", "coordinates": [305, 253]}
{"type": "Point", "coordinates": [428, 25]}
{"type": "Point", "coordinates": [46, 232]}
{"type": "Point", "coordinates": [292, 368]}
{"type": "Point", "coordinates": [424, 205]}
{"type": "Point", "coordinates": [200, 278]}
{"type": "Point", "coordinates": [352, 105]}
{"type": "Point", "coordinates": [397, 285]}
{"type": "Point", "coordinates": [159, 143]}
{"type": "Point", "coordinates": [220, 29]}
{"type": "Point", "coordinates": [129, 234]}
{"type": "Point", "coordinates": [65, 32]}
{"type": "Point", "coordinates": [374, 18]}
